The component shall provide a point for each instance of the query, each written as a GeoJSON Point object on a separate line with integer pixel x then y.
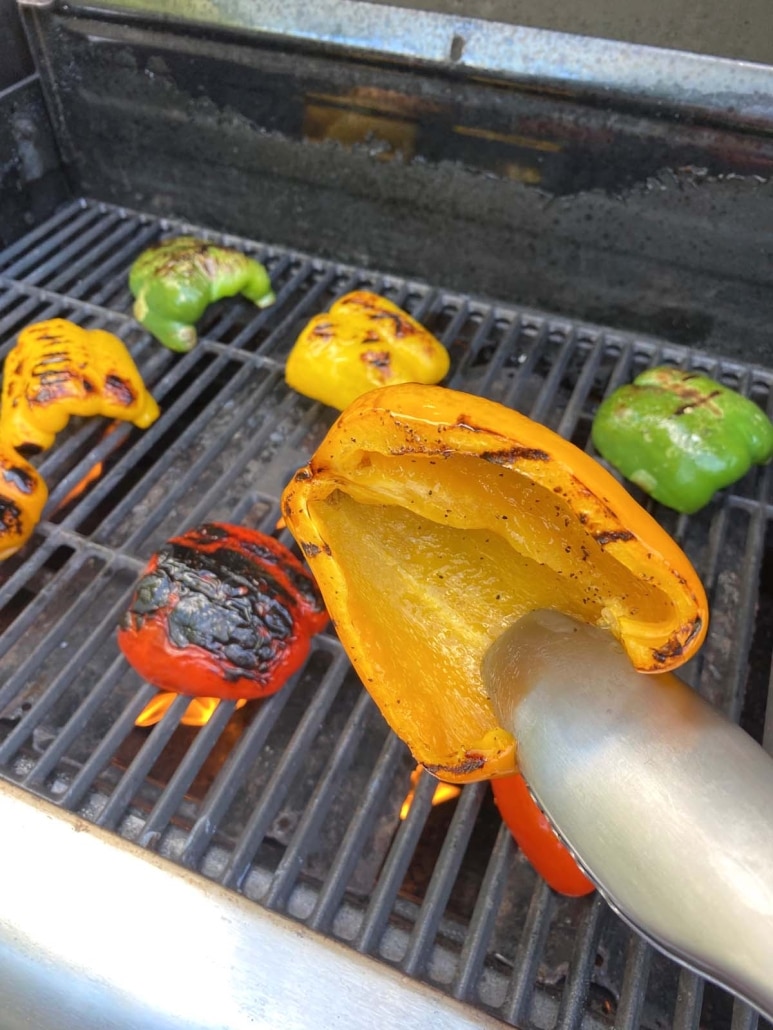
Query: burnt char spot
{"type": "Point", "coordinates": [695, 399]}
{"type": "Point", "coordinates": [514, 454]}
{"type": "Point", "coordinates": [400, 326]}
{"type": "Point", "coordinates": [11, 518]}
{"type": "Point", "coordinates": [380, 359]}
{"type": "Point", "coordinates": [119, 390]}
{"type": "Point", "coordinates": [618, 536]}
{"type": "Point", "coordinates": [697, 626]}
{"type": "Point", "coordinates": [471, 763]}
{"type": "Point", "coordinates": [675, 646]}
{"type": "Point", "coordinates": [220, 600]}
{"type": "Point", "coordinates": [20, 479]}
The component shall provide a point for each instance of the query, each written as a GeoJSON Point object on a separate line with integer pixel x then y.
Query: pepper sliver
{"type": "Point", "coordinates": [681, 436]}
{"type": "Point", "coordinates": [175, 281]}
{"type": "Point", "coordinates": [57, 369]}
{"type": "Point", "coordinates": [363, 342]}
{"type": "Point", "coordinates": [433, 519]}
{"type": "Point", "coordinates": [221, 611]}
{"type": "Point", "coordinates": [23, 496]}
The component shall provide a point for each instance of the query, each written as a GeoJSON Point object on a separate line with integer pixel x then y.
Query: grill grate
{"type": "Point", "coordinates": [295, 802]}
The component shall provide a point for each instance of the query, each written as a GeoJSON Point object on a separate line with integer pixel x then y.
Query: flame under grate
{"type": "Point", "coordinates": [296, 801]}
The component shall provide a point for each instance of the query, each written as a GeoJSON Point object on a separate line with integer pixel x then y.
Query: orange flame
{"type": "Point", "coordinates": [443, 792]}
{"type": "Point", "coordinates": [93, 473]}
{"type": "Point", "coordinates": [198, 713]}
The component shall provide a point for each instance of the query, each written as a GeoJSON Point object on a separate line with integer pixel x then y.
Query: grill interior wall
{"type": "Point", "coordinates": [295, 801]}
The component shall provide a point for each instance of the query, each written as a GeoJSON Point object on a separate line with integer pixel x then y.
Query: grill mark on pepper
{"type": "Point", "coordinates": [698, 400]}
{"type": "Point", "coordinates": [119, 389]}
{"type": "Point", "coordinates": [513, 454]}
{"type": "Point", "coordinates": [379, 359]}
{"type": "Point", "coordinates": [19, 479]}
{"type": "Point", "coordinates": [471, 763]}
{"type": "Point", "coordinates": [612, 537]}
{"type": "Point", "coordinates": [11, 518]}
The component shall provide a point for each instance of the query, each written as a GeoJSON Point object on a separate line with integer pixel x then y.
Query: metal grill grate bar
{"type": "Point", "coordinates": [319, 804]}
{"type": "Point", "coordinates": [287, 767]}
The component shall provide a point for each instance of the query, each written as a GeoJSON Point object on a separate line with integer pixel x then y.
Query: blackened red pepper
{"type": "Point", "coordinates": [221, 611]}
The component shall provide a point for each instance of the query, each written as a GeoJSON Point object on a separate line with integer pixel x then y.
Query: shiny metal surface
{"type": "Point", "coordinates": [666, 803]}
{"type": "Point", "coordinates": [740, 90]}
{"type": "Point", "coordinates": [96, 933]}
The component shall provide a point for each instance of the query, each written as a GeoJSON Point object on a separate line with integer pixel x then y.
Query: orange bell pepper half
{"type": "Point", "coordinates": [433, 519]}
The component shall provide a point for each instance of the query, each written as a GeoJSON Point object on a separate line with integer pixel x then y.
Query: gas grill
{"type": "Point", "coordinates": [304, 806]}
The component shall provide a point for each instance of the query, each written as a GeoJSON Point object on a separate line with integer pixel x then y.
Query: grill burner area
{"type": "Point", "coordinates": [295, 801]}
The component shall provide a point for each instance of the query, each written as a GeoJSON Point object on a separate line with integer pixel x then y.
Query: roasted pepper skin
{"type": "Point", "coordinates": [221, 611]}
{"type": "Point", "coordinates": [363, 342]}
{"type": "Point", "coordinates": [681, 436]}
{"type": "Point", "coordinates": [57, 369]}
{"type": "Point", "coordinates": [536, 838]}
{"type": "Point", "coordinates": [432, 519]}
{"type": "Point", "coordinates": [23, 496]}
{"type": "Point", "coordinates": [175, 281]}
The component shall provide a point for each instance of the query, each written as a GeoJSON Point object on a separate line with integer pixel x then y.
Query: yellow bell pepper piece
{"type": "Point", "coordinates": [57, 369]}
{"type": "Point", "coordinates": [433, 519]}
{"type": "Point", "coordinates": [364, 341]}
{"type": "Point", "coordinates": [23, 495]}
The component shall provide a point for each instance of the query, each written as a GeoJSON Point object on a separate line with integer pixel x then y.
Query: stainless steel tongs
{"type": "Point", "coordinates": [667, 805]}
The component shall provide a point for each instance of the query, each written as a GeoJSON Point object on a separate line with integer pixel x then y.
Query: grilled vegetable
{"type": "Point", "coordinates": [175, 281]}
{"type": "Point", "coordinates": [681, 436]}
{"type": "Point", "coordinates": [57, 369]}
{"type": "Point", "coordinates": [364, 341]}
{"type": "Point", "coordinates": [433, 519]}
{"type": "Point", "coordinates": [23, 495]}
{"type": "Point", "coordinates": [221, 611]}
{"type": "Point", "coordinates": [536, 838]}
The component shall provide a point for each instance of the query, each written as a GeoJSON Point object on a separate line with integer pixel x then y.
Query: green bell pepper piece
{"type": "Point", "coordinates": [175, 281]}
{"type": "Point", "coordinates": [681, 436]}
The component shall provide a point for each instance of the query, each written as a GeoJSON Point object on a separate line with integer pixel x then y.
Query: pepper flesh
{"type": "Point", "coordinates": [681, 436]}
{"type": "Point", "coordinates": [57, 369]}
{"type": "Point", "coordinates": [363, 342]}
{"type": "Point", "coordinates": [433, 519]}
{"type": "Point", "coordinates": [537, 839]}
{"type": "Point", "coordinates": [175, 281]}
{"type": "Point", "coordinates": [23, 495]}
{"type": "Point", "coordinates": [221, 611]}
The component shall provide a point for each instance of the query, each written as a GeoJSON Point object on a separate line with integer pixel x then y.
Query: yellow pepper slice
{"type": "Point", "coordinates": [57, 369]}
{"type": "Point", "coordinates": [433, 519]}
{"type": "Point", "coordinates": [363, 342]}
{"type": "Point", "coordinates": [23, 496]}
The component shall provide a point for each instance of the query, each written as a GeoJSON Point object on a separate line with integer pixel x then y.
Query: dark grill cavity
{"type": "Point", "coordinates": [295, 801]}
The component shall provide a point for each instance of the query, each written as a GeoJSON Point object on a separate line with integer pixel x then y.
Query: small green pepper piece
{"type": "Point", "coordinates": [681, 436]}
{"type": "Point", "coordinates": [175, 281]}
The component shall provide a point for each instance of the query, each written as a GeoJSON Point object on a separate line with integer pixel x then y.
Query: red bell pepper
{"type": "Point", "coordinates": [221, 611]}
{"type": "Point", "coordinates": [536, 837]}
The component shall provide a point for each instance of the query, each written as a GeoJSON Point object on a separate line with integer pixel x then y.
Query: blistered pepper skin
{"type": "Point", "coordinates": [23, 496]}
{"type": "Point", "coordinates": [363, 342]}
{"type": "Point", "coordinates": [56, 370]}
{"type": "Point", "coordinates": [433, 519]}
{"type": "Point", "coordinates": [681, 436]}
{"type": "Point", "coordinates": [175, 281]}
{"type": "Point", "coordinates": [221, 611]}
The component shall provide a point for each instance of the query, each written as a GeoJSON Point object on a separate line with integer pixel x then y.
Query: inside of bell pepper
{"type": "Point", "coordinates": [442, 554]}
